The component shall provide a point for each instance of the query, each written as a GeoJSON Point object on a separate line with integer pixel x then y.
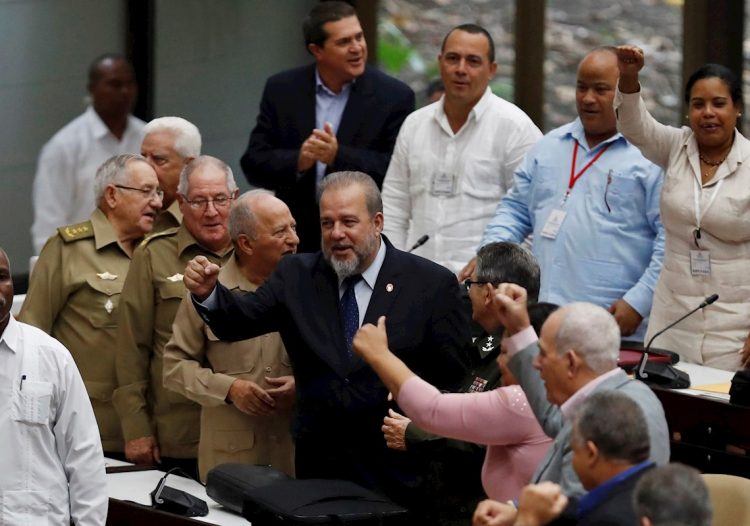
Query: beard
{"type": "Point", "coordinates": [351, 265]}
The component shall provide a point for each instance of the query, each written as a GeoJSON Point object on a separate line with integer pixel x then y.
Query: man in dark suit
{"type": "Point", "coordinates": [334, 115]}
{"type": "Point", "coordinates": [317, 302]}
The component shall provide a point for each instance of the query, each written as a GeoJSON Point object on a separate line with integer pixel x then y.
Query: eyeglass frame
{"type": "Point", "coordinates": [201, 203]}
{"type": "Point", "coordinates": [468, 282]}
{"type": "Point", "coordinates": [154, 192]}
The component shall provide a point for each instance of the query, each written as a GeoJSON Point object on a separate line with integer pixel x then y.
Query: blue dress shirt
{"type": "Point", "coordinates": [611, 242]}
{"type": "Point", "coordinates": [329, 107]}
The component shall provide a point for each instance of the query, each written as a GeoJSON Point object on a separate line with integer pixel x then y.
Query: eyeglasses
{"type": "Point", "coordinates": [147, 192]}
{"type": "Point", "coordinates": [468, 283]}
{"type": "Point", "coordinates": [221, 201]}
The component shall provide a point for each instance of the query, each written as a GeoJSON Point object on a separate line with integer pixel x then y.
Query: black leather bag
{"type": "Point", "coordinates": [321, 501]}
{"type": "Point", "coordinates": [228, 483]}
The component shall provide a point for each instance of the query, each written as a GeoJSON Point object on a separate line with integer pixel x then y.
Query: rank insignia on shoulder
{"type": "Point", "coordinates": [75, 232]}
{"type": "Point", "coordinates": [107, 276]}
{"type": "Point", "coordinates": [175, 278]}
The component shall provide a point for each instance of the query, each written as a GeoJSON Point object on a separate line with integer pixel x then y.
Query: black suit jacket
{"type": "Point", "coordinates": [614, 509]}
{"type": "Point", "coordinates": [340, 401]}
{"type": "Point", "coordinates": [377, 106]}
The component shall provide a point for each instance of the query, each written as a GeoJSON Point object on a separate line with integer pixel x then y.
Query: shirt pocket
{"type": "Point", "coordinates": [32, 402]}
{"type": "Point", "coordinates": [233, 442]}
{"type": "Point", "coordinates": [231, 358]}
{"type": "Point", "coordinates": [620, 195]}
{"type": "Point", "coordinates": [172, 291]}
{"type": "Point", "coordinates": [104, 298]}
{"type": "Point", "coordinates": [30, 508]}
{"type": "Point", "coordinates": [481, 178]}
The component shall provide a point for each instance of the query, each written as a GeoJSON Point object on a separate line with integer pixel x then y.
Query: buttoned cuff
{"type": "Point", "coordinates": [519, 341]}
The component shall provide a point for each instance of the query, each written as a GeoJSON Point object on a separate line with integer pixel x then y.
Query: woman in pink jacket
{"type": "Point", "coordinates": [501, 419]}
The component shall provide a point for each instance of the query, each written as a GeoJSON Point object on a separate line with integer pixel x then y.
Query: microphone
{"type": "Point", "coordinates": [421, 241]}
{"type": "Point", "coordinates": [665, 374]}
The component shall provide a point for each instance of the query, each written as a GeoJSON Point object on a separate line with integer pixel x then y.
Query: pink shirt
{"type": "Point", "coordinates": [500, 419]}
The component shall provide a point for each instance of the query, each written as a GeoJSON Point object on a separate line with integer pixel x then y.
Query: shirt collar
{"type": "Point", "coordinates": [186, 240]}
{"type": "Point", "coordinates": [579, 396]}
{"type": "Point", "coordinates": [479, 109]}
{"type": "Point", "coordinates": [233, 278]}
{"type": "Point", "coordinates": [9, 338]}
{"type": "Point", "coordinates": [104, 233]}
{"type": "Point", "coordinates": [174, 211]}
{"type": "Point", "coordinates": [594, 497]}
{"type": "Point", "coordinates": [370, 274]}
{"type": "Point", "coordinates": [576, 132]}
{"type": "Point", "coordinates": [320, 87]}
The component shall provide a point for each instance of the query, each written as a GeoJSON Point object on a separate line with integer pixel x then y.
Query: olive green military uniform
{"type": "Point", "coordinates": [200, 366]}
{"type": "Point", "coordinates": [74, 296]}
{"type": "Point", "coordinates": [169, 218]}
{"type": "Point", "coordinates": [150, 299]}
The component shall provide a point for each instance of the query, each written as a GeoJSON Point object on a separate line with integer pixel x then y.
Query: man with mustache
{"type": "Point", "coordinates": [317, 302]}
{"type": "Point", "coordinates": [74, 293]}
{"type": "Point", "coordinates": [336, 114]}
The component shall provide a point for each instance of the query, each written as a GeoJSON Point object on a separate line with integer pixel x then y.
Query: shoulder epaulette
{"type": "Point", "coordinates": [75, 232]}
{"type": "Point", "coordinates": [164, 233]}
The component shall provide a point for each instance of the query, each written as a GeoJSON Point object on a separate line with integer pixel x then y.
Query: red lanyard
{"type": "Point", "coordinates": [573, 176]}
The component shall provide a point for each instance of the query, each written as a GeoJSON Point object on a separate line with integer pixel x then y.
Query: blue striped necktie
{"type": "Point", "coordinates": [349, 310]}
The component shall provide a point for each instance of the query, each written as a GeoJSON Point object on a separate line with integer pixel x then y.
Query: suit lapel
{"type": "Point", "coordinates": [387, 286]}
{"type": "Point", "coordinates": [327, 290]}
{"type": "Point", "coordinates": [306, 107]}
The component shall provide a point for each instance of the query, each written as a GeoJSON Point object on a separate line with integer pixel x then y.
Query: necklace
{"type": "Point", "coordinates": [712, 163]}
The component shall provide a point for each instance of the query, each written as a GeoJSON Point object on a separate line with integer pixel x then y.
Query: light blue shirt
{"type": "Point", "coordinates": [364, 287]}
{"type": "Point", "coordinates": [599, 255]}
{"type": "Point", "coordinates": [329, 107]}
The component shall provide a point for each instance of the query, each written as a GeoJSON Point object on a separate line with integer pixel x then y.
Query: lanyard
{"type": "Point", "coordinates": [697, 205]}
{"type": "Point", "coordinates": [575, 176]}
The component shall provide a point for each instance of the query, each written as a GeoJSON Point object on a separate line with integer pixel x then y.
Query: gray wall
{"type": "Point", "coordinates": [211, 60]}
{"type": "Point", "coordinates": [45, 49]}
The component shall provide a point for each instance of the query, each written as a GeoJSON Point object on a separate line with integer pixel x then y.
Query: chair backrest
{"type": "Point", "coordinates": [730, 499]}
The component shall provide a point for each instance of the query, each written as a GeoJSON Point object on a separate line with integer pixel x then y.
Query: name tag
{"type": "Point", "coordinates": [700, 263]}
{"type": "Point", "coordinates": [553, 224]}
{"type": "Point", "coordinates": [443, 185]}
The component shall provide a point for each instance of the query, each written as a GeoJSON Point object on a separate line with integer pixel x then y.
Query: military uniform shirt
{"type": "Point", "coordinates": [73, 296]}
{"type": "Point", "coordinates": [200, 366]}
{"type": "Point", "coordinates": [150, 298]}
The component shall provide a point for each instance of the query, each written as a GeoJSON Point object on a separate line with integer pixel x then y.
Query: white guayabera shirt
{"type": "Point", "coordinates": [50, 452]}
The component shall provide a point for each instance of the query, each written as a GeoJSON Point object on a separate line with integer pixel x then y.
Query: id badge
{"type": "Point", "coordinates": [553, 224]}
{"type": "Point", "coordinates": [700, 263]}
{"type": "Point", "coordinates": [443, 184]}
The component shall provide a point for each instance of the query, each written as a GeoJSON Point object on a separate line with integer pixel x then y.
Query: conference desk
{"type": "Point", "coordinates": [707, 431]}
{"type": "Point", "coordinates": [130, 500]}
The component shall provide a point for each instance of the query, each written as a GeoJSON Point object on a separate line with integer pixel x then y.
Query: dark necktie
{"type": "Point", "coordinates": [349, 310]}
